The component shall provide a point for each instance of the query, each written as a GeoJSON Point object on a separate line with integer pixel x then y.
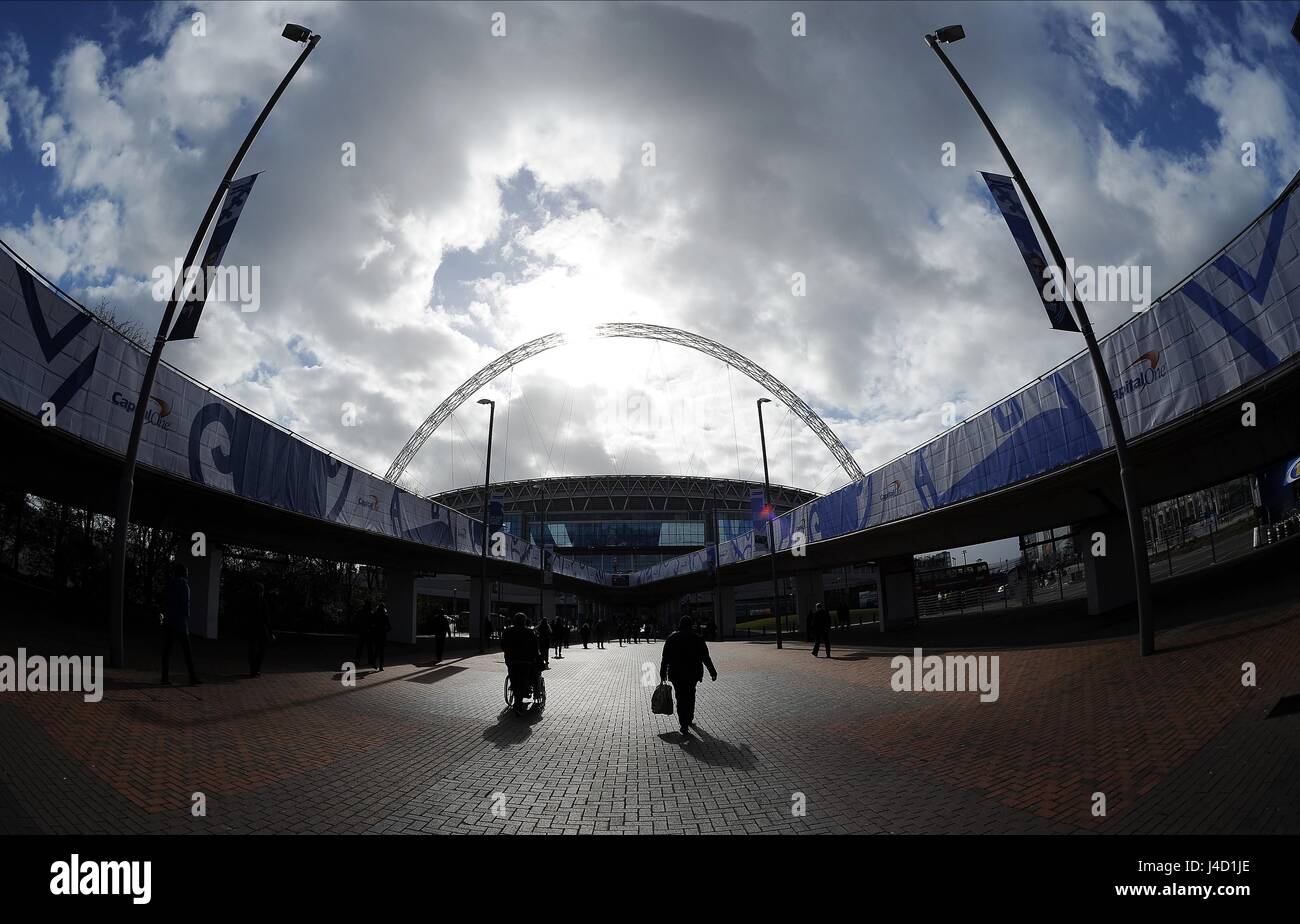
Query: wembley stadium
{"type": "Point", "coordinates": [618, 524]}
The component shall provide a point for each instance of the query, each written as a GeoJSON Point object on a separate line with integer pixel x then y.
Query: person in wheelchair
{"type": "Point", "coordinates": [523, 660]}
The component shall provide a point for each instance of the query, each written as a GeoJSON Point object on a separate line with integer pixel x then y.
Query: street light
{"type": "Point", "coordinates": [126, 482]}
{"type": "Point", "coordinates": [487, 481]}
{"type": "Point", "coordinates": [1132, 506]}
{"type": "Point", "coordinates": [767, 510]}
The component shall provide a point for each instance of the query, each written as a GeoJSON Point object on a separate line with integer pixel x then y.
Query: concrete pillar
{"type": "Point", "coordinates": [1111, 583]}
{"type": "Point", "coordinates": [548, 603]}
{"type": "Point", "coordinates": [399, 597]}
{"type": "Point", "coordinates": [205, 590]}
{"type": "Point", "coordinates": [476, 607]}
{"type": "Point", "coordinates": [724, 609]}
{"type": "Point", "coordinates": [808, 592]}
{"type": "Point", "coordinates": [897, 595]}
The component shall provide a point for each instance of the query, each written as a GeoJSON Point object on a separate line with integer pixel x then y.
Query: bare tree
{"type": "Point", "coordinates": [129, 328]}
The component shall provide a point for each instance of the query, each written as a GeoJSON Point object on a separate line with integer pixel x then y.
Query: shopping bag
{"type": "Point", "coordinates": [661, 703]}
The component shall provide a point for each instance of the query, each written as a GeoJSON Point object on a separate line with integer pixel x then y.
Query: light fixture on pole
{"type": "Point", "coordinates": [1132, 505]}
{"type": "Point", "coordinates": [487, 500]}
{"type": "Point", "coordinates": [126, 481]}
{"type": "Point", "coordinates": [767, 515]}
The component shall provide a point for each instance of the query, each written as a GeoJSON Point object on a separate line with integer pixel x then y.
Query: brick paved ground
{"type": "Point", "coordinates": [1175, 742]}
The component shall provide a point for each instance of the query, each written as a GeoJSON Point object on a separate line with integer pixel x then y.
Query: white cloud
{"type": "Point", "coordinates": [775, 155]}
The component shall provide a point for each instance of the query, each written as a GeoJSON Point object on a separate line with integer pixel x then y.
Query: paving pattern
{"type": "Point", "coordinates": [1175, 743]}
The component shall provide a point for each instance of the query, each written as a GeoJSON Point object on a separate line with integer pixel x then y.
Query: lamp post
{"type": "Point", "coordinates": [126, 482]}
{"type": "Point", "coordinates": [1132, 506]}
{"type": "Point", "coordinates": [767, 505]}
{"type": "Point", "coordinates": [487, 481]}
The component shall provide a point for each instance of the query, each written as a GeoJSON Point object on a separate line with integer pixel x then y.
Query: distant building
{"type": "Point", "coordinates": [933, 561]}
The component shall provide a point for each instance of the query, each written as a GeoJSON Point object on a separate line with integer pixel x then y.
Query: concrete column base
{"type": "Point", "coordinates": [399, 597]}
{"type": "Point", "coordinates": [1111, 583]}
{"type": "Point", "coordinates": [724, 610]}
{"type": "Point", "coordinates": [897, 592]}
{"type": "Point", "coordinates": [476, 612]}
{"type": "Point", "coordinates": [205, 589]}
{"type": "Point", "coordinates": [808, 592]}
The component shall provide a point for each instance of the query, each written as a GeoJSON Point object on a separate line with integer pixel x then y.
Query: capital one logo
{"type": "Point", "coordinates": [894, 489]}
{"type": "Point", "coordinates": [1148, 373]}
{"type": "Point", "coordinates": [156, 416]}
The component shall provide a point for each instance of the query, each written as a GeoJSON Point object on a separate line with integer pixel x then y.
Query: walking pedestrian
{"type": "Point", "coordinates": [176, 621]}
{"type": "Point", "coordinates": [820, 625]}
{"type": "Point", "coordinates": [683, 661]}
{"type": "Point", "coordinates": [585, 632]}
{"type": "Point", "coordinates": [544, 642]}
{"type": "Point", "coordinates": [440, 630]}
{"type": "Point", "coordinates": [257, 626]}
{"type": "Point", "coordinates": [380, 626]}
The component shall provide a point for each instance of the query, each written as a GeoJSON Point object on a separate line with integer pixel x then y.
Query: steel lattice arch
{"type": "Point", "coordinates": [636, 331]}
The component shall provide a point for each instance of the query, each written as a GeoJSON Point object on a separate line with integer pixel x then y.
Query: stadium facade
{"type": "Point", "coordinates": [616, 523]}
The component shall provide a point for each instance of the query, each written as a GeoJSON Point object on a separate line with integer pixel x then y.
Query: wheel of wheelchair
{"type": "Point", "coordinates": [510, 693]}
{"type": "Point", "coordinates": [539, 694]}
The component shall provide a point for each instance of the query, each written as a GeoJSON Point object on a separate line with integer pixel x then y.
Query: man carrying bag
{"type": "Point", "coordinates": [684, 659]}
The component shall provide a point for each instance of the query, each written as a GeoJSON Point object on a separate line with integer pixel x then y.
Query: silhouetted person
{"type": "Point", "coordinates": [682, 664]}
{"type": "Point", "coordinates": [843, 614]}
{"type": "Point", "coordinates": [600, 632]}
{"type": "Point", "coordinates": [567, 632]}
{"type": "Point", "coordinates": [557, 634]}
{"type": "Point", "coordinates": [519, 646]}
{"type": "Point", "coordinates": [440, 630]}
{"type": "Point", "coordinates": [585, 631]}
{"type": "Point", "coordinates": [380, 626]}
{"type": "Point", "coordinates": [544, 642]}
{"type": "Point", "coordinates": [257, 625]}
{"type": "Point", "coordinates": [176, 621]}
{"type": "Point", "coordinates": [820, 625]}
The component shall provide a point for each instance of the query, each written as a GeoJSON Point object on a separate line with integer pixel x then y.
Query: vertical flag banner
{"type": "Point", "coordinates": [236, 196]}
{"type": "Point", "coordinates": [1008, 200]}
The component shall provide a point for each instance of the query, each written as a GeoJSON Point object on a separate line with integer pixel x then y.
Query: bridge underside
{"type": "Point", "coordinates": [1207, 448]}
{"type": "Point", "coordinates": [50, 464]}
{"type": "Point", "coordinates": [1210, 447]}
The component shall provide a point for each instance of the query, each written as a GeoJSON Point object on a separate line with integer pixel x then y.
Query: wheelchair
{"type": "Point", "coordinates": [534, 698]}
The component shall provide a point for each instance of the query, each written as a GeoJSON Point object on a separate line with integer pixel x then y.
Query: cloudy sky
{"type": "Point", "coordinates": [501, 191]}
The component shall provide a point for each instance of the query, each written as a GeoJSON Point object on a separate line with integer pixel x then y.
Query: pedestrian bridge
{"type": "Point", "coordinates": [1041, 457]}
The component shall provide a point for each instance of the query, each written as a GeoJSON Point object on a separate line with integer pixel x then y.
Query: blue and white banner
{"type": "Point", "coordinates": [1007, 198]}
{"type": "Point", "coordinates": [1234, 320]}
{"type": "Point", "coordinates": [188, 321]}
